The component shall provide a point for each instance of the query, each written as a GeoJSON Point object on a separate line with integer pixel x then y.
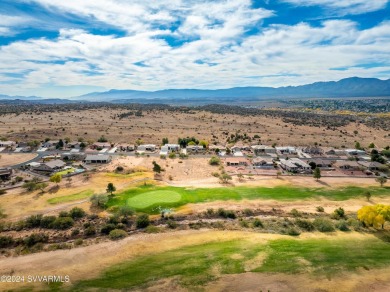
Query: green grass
{"type": "Point", "coordinates": [66, 171]}
{"type": "Point", "coordinates": [200, 195]}
{"type": "Point", "coordinates": [196, 265]}
{"type": "Point", "coordinates": [148, 199]}
{"type": "Point", "coordinates": [325, 256]}
{"type": "Point", "coordinates": [69, 198]}
{"type": "Point", "coordinates": [124, 175]}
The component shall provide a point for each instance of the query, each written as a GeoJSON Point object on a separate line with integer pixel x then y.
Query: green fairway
{"type": "Point", "coordinates": [148, 198]}
{"type": "Point", "coordinates": [145, 200]}
{"type": "Point", "coordinates": [73, 197]}
{"type": "Point", "coordinates": [194, 265]}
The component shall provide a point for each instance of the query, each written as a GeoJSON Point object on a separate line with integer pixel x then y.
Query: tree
{"type": "Point", "coordinates": [60, 144]}
{"type": "Point", "coordinates": [102, 139]}
{"type": "Point", "coordinates": [215, 160]}
{"type": "Point", "coordinates": [41, 186]}
{"type": "Point", "coordinates": [225, 178]}
{"type": "Point", "coordinates": [240, 177]}
{"type": "Point", "coordinates": [382, 180]}
{"type": "Point", "coordinates": [317, 173]}
{"type": "Point", "coordinates": [358, 146]}
{"type": "Point", "coordinates": [99, 200]}
{"type": "Point", "coordinates": [56, 178]}
{"type": "Point", "coordinates": [279, 173]}
{"type": "Point", "coordinates": [165, 141]}
{"type": "Point", "coordinates": [374, 216]}
{"type": "Point", "coordinates": [367, 195]}
{"type": "Point", "coordinates": [372, 145]}
{"type": "Point", "coordinates": [156, 167]}
{"type": "Point", "coordinates": [110, 188]}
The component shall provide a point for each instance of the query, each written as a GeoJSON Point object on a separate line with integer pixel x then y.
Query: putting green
{"type": "Point", "coordinates": [154, 197]}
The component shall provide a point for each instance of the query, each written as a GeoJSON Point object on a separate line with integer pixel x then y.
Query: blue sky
{"type": "Point", "coordinates": [63, 48]}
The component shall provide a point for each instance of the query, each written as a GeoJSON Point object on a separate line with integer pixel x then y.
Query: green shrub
{"type": "Point", "coordinates": [293, 231]}
{"type": "Point", "coordinates": [35, 238]}
{"type": "Point", "coordinates": [226, 213]}
{"type": "Point", "coordinates": [77, 213]}
{"type": "Point", "coordinates": [338, 214]}
{"type": "Point", "coordinates": [244, 224]}
{"type": "Point", "coordinates": [295, 213]}
{"type": "Point", "coordinates": [75, 232]}
{"type": "Point", "coordinates": [320, 209]}
{"type": "Point", "coordinates": [78, 242]}
{"type": "Point", "coordinates": [215, 160]}
{"type": "Point", "coordinates": [257, 223]}
{"type": "Point", "coordinates": [342, 225]}
{"type": "Point", "coordinates": [152, 229]}
{"type": "Point", "coordinates": [47, 221]}
{"type": "Point", "coordinates": [354, 223]}
{"type": "Point", "coordinates": [324, 225]}
{"type": "Point", "coordinates": [90, 231]}
{"type": "Point", "coordinates": [143, 221]}
{"type": "Point", "coordinates": [63, 223]}
{"type": "Point", "coordinates": [106, 229]}
{"type": "Point", "coordinates": [117, 234]}
{"type": "Point", "coordinates": [248, 212]}
{"type": "Point", "coordinates": [63, 214]}
{"type": "Point", "coordinates": [33, 221]}
{"type": "Point", "coordinates": [6, 241]}
{"type": "Point", "coordinates": [172, 224]}
{"type": "Point", "coordinates": [305, 224]}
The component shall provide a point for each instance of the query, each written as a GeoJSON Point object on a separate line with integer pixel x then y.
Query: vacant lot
{"type": "Point", "coordinates": [9, 159]}
{"type": "Point", "coordinates": [153, 125]}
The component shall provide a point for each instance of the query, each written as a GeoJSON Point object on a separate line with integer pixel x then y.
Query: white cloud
{"type": "Point", "coordinates": [344, 7]}
{"type": "Point", "coordinates": [213, 49]}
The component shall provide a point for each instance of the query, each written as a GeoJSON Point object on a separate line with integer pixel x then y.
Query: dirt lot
{"type": "Point", "coordinates": [9, 159]}
{"type": "Point", "coordinates": [156, 124]}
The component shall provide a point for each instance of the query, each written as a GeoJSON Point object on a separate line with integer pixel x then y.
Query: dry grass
{"type": "Point", "coordinates": [9, 159]}
{"type": "Point", "coordinates": [155, 125]}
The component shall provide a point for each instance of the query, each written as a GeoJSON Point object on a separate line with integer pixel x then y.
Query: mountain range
{"type": "Point", "coordinates": [348, 87]}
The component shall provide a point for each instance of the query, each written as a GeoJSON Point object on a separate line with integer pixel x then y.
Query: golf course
{"type": "Point", "coordinates": [151, 198]}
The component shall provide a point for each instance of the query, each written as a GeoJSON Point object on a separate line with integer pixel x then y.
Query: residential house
{"type": "Point", "coordinates": [313, 150]}
{"type": "Point", "coordinates": [50, 166]}
{"type": "Point", "coordinates": [303, 166]}
{"type": "Point", "coordinates": [195, 149]}
{"type": "Point", "coordinates": [321, 163]}
{"type": "Point", "coordinates": [126, 147]}
{"type": "Point", "coordinates": [8, 144]}
{"type": "Point", "coordinates": [217, 147]}
{"type": "Point", "coordinates": [74, 156]}
{"type": "Point", "coordinates": [354, 152]}
{"type": "Point", "coordinates": [146, 147]}
{"type": "Point", "coordinates": [97, 159]}
{"type": "Point", "coordinates": [240, 147]}
{"type": "Point", "coordinates": [347, 165]}
{"type": "Point", "coordinates": [236, 161]}
{"type": "Point", "coordinates": [172, 147]}
{"type": "Point", "coordinates": [263, 150]}
{"type": "Point", "coordinates": [286, 150]}
{"type": "Point", "coordinates": [371, 165]}
{"type": "Point", "coordinates": [5, 173]}
{"type": "Point", "coordinates": [288, 165]}
{"type": "Point", "coordinates": [101, 145]}
{"type": "Point", "coordinates": [263, 162]}
{"type": "Point", "coordinates": [51, 144]}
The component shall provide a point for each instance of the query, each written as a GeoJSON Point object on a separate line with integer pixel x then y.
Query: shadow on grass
{"type": "Point", "coordinates": [54, 189]}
